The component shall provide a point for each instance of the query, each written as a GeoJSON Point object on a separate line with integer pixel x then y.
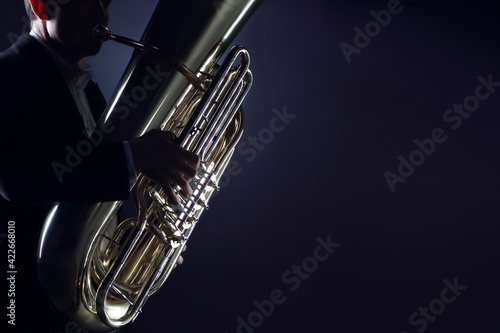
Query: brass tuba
{"type": "Point", "coordinates": [97, 270]}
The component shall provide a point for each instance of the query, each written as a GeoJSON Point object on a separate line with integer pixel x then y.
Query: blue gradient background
{"type": "Point", "coordinates": [323, 174]}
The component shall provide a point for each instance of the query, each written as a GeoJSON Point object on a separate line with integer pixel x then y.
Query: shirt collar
{"type": "Point", "coordinates": [75, 75]}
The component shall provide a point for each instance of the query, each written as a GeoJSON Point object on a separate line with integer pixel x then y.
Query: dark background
{"type": "Point", "coordinates": [324, 173]}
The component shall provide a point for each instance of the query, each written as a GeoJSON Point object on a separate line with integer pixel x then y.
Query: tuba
{"type": "Point", "coordinates": [99, 269]}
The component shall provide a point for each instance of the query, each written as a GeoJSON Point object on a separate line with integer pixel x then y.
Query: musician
{"type": "Point", "coordinates": [47, 107]}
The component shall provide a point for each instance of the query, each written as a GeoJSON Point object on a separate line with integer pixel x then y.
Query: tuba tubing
{"type": "Point", "coordinates": [99, 271]}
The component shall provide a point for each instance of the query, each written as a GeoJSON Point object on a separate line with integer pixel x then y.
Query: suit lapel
{"type": "Point", "coordinates": [50, 76]}
{"type": "Point", "coordinates": [97, 102]}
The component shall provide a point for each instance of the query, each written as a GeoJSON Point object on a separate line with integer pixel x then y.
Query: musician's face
{"type": "Point", "coordinates": [73, 24]}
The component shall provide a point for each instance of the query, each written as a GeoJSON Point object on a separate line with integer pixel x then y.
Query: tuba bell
{"type": "Point", "coordinates": [98, 268]}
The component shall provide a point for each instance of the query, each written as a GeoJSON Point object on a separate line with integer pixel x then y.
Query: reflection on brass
{"type": "Point", "coordinates": [100, 271]}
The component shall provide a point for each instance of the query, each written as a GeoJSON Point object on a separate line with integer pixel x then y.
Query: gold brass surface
{"type": "Point", "coordinates": [100, 270]}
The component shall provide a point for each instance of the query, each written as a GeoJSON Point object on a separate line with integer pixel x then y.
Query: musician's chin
{"type": "Point", "coordinates": [92, 48]}
{"type": "Point", "coordinates": [96, 47]}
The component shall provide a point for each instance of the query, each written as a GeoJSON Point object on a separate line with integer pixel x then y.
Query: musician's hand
{"type": "Point", "coordinates": [157, 156]}
{"type": "Point", "coordinates": [180, 260]}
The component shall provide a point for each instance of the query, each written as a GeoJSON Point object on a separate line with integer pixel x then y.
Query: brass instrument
{"type": "Point", "coordinates": [99, 272]}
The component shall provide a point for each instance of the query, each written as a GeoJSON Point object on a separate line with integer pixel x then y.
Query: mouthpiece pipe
{"type": "Point", "coordinates": [102, 33]}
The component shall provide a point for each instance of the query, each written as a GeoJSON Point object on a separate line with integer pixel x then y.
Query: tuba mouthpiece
{"type": "Point", "coordinates": [101, 32]}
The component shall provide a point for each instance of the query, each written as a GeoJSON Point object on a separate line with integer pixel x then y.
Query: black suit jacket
{"type": "Point", "coordinates": [45, 153]}
{"type": "Point", "coordinates": [39, 124]}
